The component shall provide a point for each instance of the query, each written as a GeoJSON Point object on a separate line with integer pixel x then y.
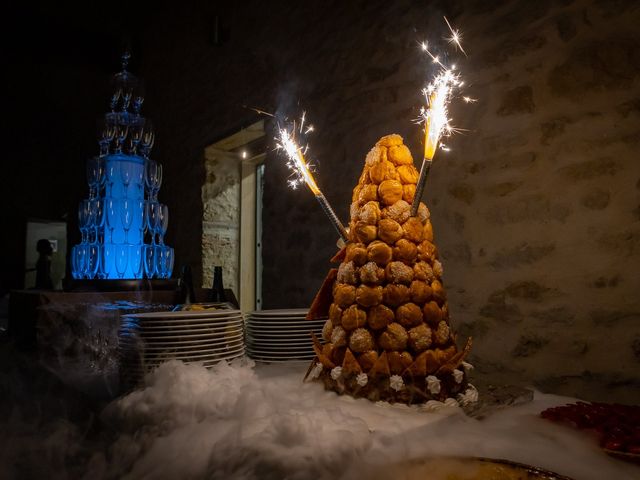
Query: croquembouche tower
{"type": "Point", "coordinates": [388, 336]}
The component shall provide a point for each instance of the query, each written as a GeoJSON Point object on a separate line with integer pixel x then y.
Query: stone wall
{"type": "Point", "coordinates": [536, 209]}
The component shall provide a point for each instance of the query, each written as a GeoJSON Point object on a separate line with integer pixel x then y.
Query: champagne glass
{"type": "Point", "coordinates": [138, 100]}
{"type": "Point", "coordinates": [112, 215]}
{"type": "Point", "coordinates": [82, 254]}
{"type": "Point", "coordinates": [163, 221]}
{"type": "Point", "coordinates": [153, 178]}
{"type": "Point", "coordinates": [83, 219]}
{"type": "Point", "coordinates": [95, 175]}
{"type": "Point", "coordinates": [136, 260]}
{"type": "Point", "coordinates": [126, 212]}
{"type": "Point", "coordinates": [150, 261]}
{"type": "Point", "coordinates": [152, 219]}
{"type": "Point", "coordinates": [125, 175]}
{"type": "Point", "coordinates": [97, 206]}
{"type": "Point", "coordinates": [106, 261]}
{"type": "Point", "coordinates": [148, 139]}
{"type": "Point", "coordinates": [111, 172]}
{"type": "Point", "coordinates": [75, 267]}
{"type": "Point", "coordinates": [121, 135]}
{"type": "Point", "coordinates": [93, 260]}
{"type": "Point", "coordinates": [139, 218]}
{"type": "Point", "coordinates": [165, 261]}
{"type": "Point", "coordinates": [121, 259]}
{"type": "Point", "coordinates": [113, 103]}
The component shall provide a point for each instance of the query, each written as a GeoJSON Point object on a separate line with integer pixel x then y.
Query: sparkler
{"type": "Point", "coordinates": [435, 116]}
{"type": "Point", "coordinates": [286, 141]}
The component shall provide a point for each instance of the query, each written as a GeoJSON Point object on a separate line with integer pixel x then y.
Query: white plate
{"type": "Point", "coordinates": [196, 350]}
{"type": "Point", "coordinates": [170, 338]}
{"type": "Point", "coordinates": [299, 312]}
{"type": "Point", "coordinates": [171, 345]}
{"type": "Point", "coordinates": [283, 319]}
{"type": "Point", "coordinates": [280, 334]}
{"type": "Point", "coordinates": [267, 358]}
{"type": "Point", "coordinates": [197, 323]}
{"type": "Point", "coordinates": [182, 321]}
{"type": "Point", "coordinates": [281, 325]}
{"type": "Point", "coordinates": [184, 314]}
{"type": "Point", "coordinates": [126, 330]}
{"type": "Point", "coordinates": [280, 352]}
{"type": "Point", "coordinates": [278, 343]}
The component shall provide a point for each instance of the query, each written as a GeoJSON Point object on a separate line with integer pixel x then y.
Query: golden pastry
{"type": "Point", "coordinates": [400, 155]}
{"type": "Point", "coordinates": [367, 359]}
{"type": "Point", "coordinates": [405, 251]}
{"type": "Point", "coordinates": [335, 314]}
{"type": "Point", "coordinates": [423, 271]}
{"type": "Point", "coordinates": [327, 349]}
{"type": "Point", "coordinates": [408, 192]}
{"type": "Point", "coordinates": [398, 272]}
{"type": "Point", "coordinates": [394, 295]}
{"type": "Point", "coordinates": [409, 315]}
{"type": "Point", "coordinates": [379, 317]}
{"type": "Point", "coordinates": [399, 362]}
{"type": "Point", "coordinates": [390, 140]}
{"type": "Point", "coordinates": [394, 337]}
{"type": "Point", "coordinates": [373, 157]}
{"type": "Point", "coordinates": [427, 231]}
{"type": "Point", "coordinates": [354, 210]}
{"type": "Point", "coordinates": [390, 191]}
{"type": "Point", "coordinates": [338, 337]}
{"type": "Point", "coordinates": [327, 330]}
{"type": "Point", "coordinates": [423, 212]}
{"type": "Point", "coordinates": [337, 355]}
{"type": "Point", "coordinates": [369, 213]}
{"type": "Point", "coordinates": [420, 338]}
{"type": "Point", "coordinates": [344, 295]}
{"type": "Point", "coordinates": [420, 292]}
{"type": "Point", "coordinates": [432, 313]}
{"type": "Point", "coordinates": [412, 229]}
{"type": "Point", "coordinates": [379, 252]}
{"type": "Point", "coordinates": [361, 340]}
{"type": "Point", "coordinates": [399, 211]}
{"type": "Point", "coordinates": [389, 231]}
{"type": "Point", "coordinates": [437, 269]}
{"type": "Point", "coordinates": [442, 334]}
{"type": "Point", "coordinates": [356, 253]}
{"type": "Point", "coordinates": [368, 193]}
{"type": "Point", "coordinates": [438, 292]}
{"type": "Point", "coordinates": [367, 296]}
{"type": "Point", "coordinates": [427, 251]}
{"type": "Point", "coordinates": [371, 273]}
{"type": "Point", "coordinates": [382, 171]}
{"type": "Point", "coordinates": [353, 317]}
{"type": "Point", "coordinates": [365, 233]}
{"type": "Point", "coordinates": [347, 273]}
{"type": "Point", "coordinates": [408, 174]}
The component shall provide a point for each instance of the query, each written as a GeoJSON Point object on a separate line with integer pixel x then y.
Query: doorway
{"type": "Point", "coordinates": [232, 209]}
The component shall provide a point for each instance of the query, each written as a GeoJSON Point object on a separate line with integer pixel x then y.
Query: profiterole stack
{"type": "Point", "coordinates": [388, 336]}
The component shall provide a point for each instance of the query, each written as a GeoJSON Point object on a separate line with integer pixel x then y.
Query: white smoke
{"type": "Point", "coordinates": [237, 421]}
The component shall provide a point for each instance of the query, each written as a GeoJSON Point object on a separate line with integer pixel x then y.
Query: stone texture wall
{"type": "Point", "coordinates": [221, 220]}
{"type": "Point", "coordinates": [536, 209]}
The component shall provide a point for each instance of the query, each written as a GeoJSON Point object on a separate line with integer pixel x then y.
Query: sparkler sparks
{"type": "Point", "coordinates": [286, 141]}
{"type": "Point", "coordinates": [435, 114]}
{"type": "Point", "coordinates": [296, 162]}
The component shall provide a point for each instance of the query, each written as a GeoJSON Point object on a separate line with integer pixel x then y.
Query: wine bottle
{"type": "Point", "coordinates": [186, 293]}
{"type": "Point", "coordinates": [217, 290]}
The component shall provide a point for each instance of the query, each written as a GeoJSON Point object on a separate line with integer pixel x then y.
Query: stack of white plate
{"type": "Point", "coordinates": [145, 340]}
{"type": "Point", "coordinates": [281, 335]}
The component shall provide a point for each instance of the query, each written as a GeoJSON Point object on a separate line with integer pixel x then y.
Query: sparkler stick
{"type": "Point", "coordinates": [297, 163]}
{"type": "Point", "coordinates": [435, 115]}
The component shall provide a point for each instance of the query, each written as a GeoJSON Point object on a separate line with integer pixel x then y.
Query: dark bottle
{"type": "Point", "coordinates": [217, 291]}
{"type": "Point", "coordinates": [186, 293]}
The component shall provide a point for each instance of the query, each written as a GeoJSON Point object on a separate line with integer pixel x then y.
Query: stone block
{"type": "Point", "coordinates": [518, 100]}
{"type": "Point", "coordinates": [522, 254]}
{"type": "Point", "coordinates": [529, 345]}
{"type": "Point", "coordinates": [596, 199]}
{"type": "Point", "coordinates": [602, 64]}
{"type": "Point", "coordinates": [463, 192]}
{"type": "Point", "coordinates": [557, 315]}
{"type": "Point", "coordinates": [621, 244]}
{"type": "Point", "coordinates": [566, 27]}
{"type": "Point", "coordinates": [535, 207]}
{"type": "Point", "coordinates": [589, 169]}
{"type": "Point", "coordinates": [502, 189]}
{"type": "Point", "coordinates": [553, 129]}
{"type": "Point", "coordinates": [635, 348]}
